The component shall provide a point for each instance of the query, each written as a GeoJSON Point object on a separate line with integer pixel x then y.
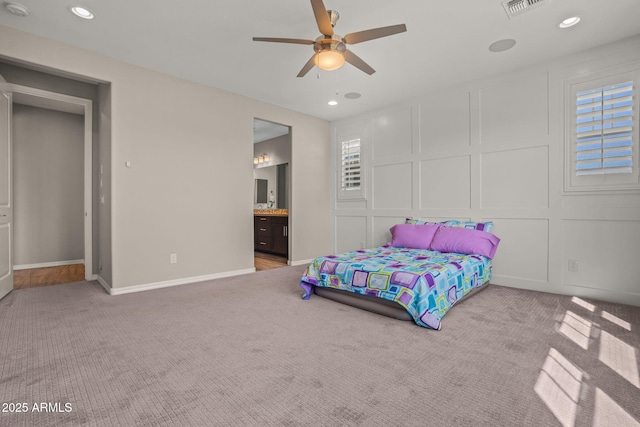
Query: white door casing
{"type": "Point", "coordinates": [79, 106]}
{"type": "Point", "coordinates": [6, 206]}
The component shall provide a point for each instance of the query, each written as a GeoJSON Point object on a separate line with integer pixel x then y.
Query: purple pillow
{"type": "Point", "coordinates": [415, 236]}
{"type": "Point", "coordinates": [465, 241]}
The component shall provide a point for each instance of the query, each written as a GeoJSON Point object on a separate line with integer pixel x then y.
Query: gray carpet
{"type": "Point", "coordinates": [247, 351]}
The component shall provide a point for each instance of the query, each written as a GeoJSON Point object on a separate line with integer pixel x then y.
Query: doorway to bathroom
{"type": "Point", "coordinates": [272, 193]}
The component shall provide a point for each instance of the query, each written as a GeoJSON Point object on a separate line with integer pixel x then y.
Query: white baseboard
{"type": "Point", "coordinates": [615, 296]}
{"type": "Point", "coordinates": [301, 262]}
{"type": "Point", "coordinates": [48, 264]}
{"type": "Point", "coordinates": [176, 282]}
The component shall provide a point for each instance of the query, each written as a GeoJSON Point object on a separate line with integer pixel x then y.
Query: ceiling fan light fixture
{"type": "Point", "coordinates": [330, 48]}
{"type": "Point", "coordinates": [329, 60]}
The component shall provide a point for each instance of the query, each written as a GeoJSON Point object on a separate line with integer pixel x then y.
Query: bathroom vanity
{"type": "Point", "coordinates": [271, 231]}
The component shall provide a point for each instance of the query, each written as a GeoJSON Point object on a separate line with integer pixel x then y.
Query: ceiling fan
{"type": "Point", "coordinates": [331, 50]}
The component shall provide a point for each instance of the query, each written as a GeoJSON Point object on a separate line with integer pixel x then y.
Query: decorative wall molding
{"type": "Point", "coordinates": [493, 150]}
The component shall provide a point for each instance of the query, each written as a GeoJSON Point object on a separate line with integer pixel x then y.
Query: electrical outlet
{"type": "Point", "coordinates": [173, 258]}
{"type": "Point", "coordinates": [361, 245]}
{"type": "Point", "coordinates": [573, 265]}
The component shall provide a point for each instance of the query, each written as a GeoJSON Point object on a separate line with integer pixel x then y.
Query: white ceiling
{"type": "Point", "coordinates": [210, 42]}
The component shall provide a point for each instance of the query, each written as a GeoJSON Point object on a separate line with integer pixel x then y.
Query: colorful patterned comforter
{"type": "Point", "coordinates": [426, 283]}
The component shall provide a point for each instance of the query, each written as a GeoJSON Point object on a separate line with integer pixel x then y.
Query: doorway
{"type": "Point", "coordinates": [272, 193]}
{"type": "Point", "coordinates": [52, 182]}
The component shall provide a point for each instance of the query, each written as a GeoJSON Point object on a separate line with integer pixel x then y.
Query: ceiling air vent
{"type": "Point", "coordinates": [517, 7]}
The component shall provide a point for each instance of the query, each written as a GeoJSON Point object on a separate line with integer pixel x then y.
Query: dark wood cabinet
{"type": "Point", "coordinates": [280, 237]}
{"type": "Point", "coordinates": [271, 234]}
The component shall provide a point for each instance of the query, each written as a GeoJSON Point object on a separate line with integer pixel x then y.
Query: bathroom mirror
{"type": "Point", "coordinates": [261, 190]}
{"type": "Point", "coordinates": [278, 188]}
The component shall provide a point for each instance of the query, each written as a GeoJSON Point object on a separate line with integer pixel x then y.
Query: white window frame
{"type": "Point", "coordinates": [608, 181]}
{"type": "Point", "coordinates": [343, 134]}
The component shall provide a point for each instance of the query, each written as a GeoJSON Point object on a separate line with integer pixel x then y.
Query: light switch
{"type": "Point", "coordinates": [127, 164]}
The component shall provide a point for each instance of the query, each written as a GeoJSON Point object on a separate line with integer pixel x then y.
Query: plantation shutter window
{"type": "Point", "coordinates": [604, 128]}
{"type": "Point", "coordinates": [350, 165]}
{"type": "Point", "coordinates": [602, 143]}
{"type": "Point", "coordinates": [350, 159]}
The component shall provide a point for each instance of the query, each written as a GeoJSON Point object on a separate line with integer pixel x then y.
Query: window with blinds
{"type": "Point", "coordinates": [350, 160]}
{"type": "Point", "coordinates": [350, 165]}
{"type": "Point", "coordinates": [605, 123]}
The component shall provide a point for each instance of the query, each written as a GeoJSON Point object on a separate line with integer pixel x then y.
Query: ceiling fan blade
{"type": "Point", "coordinates": [376, 33]}
{"type": "Point", "coordinates": [322, 17]}
{"type": "Point", "coordinates": [280, 40]}
{"type": "Point", "coordinates": [355, 60]}
{"type": "Point", "coordinates": [308, 66]}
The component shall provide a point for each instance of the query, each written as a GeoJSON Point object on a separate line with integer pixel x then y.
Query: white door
{"type": "Point", "coordinates": [6, 208]}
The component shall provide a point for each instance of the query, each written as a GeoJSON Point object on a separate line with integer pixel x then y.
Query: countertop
{"type": "Point", "coordinates": [271, 212]}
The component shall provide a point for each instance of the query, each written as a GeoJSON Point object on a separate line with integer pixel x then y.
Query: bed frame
{"type": "Point", "coordinates": [375, 304]}
{"type": "Point", "coordinates": [365, 302]}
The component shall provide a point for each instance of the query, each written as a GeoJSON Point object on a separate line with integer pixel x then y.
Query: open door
{"type": "Point", "coordinates": [6, 208]}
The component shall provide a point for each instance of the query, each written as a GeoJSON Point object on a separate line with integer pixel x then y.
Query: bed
{"type": "Point", "coordinates": [419, 275]}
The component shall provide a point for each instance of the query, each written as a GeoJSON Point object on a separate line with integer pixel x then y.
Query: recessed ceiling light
{"type": "Point", "coordinates": [17, 9]}
{"type": "Point", "coordinates": [352, 95]}
{"type": "Point", "coordinates": [569, 22]}
{"type": "Point", "coordinates": [502, 45]}
{"type": "Point", "coordinates": [81, 12]}
{"type": "Point", "coordinates": [332, 103]}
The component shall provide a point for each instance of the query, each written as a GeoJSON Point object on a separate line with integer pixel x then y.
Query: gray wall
{"type": "Point", "coordinates": [189, 189]}
{"type": "Point", "coordinates": [278, 149]}
{"type": "Point", "coordinates": [48, 182]}
{"type": "Point", "coordinates": [494, 150]}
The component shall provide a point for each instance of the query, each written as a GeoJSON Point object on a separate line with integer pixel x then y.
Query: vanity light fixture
{"type": "Point", "coordinates": [82, 12]}
{"type": "Point", "coordinates": [262, 158]}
